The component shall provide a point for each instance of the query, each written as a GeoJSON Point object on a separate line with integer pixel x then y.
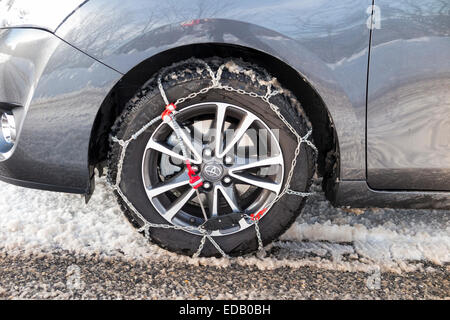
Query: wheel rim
{"type": "Point", "coordinates": [242, 169]}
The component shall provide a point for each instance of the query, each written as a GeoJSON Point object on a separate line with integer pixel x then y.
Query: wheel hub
{"type": "Point", "coordinates": [213, 171]}
{"type": "Point", "coordinates": [241, 179]}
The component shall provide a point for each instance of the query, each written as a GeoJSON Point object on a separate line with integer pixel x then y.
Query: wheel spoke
{"type": "Point", "coordinates": [163, 148]}
{"type": "Point", "coordinates": [260, 166]}
{"type": "Point", "coordinates": [220, 119]}
{"type": "Point", "coordinates": [243, 223]}
{"type": "Point", "coordinates": [181, 179]}
{"type": "Point", "coordinates": [187, 142]}
{"type": "Point", "coordinates": [230, 196]}
{"type": "Point", "coordinates": [179, 203]}
{"type": "Point", "coordinates": [257, 181]}
{"type": "Point", "coordinates": [212, 198]}
{"type": "Point", "coordinates": [277, 160]}
{"type": "Point", "coordinates": [239, 133]}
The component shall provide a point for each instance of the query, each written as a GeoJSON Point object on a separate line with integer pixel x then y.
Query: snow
{"type": "Point", "coordinates": [34, 222]}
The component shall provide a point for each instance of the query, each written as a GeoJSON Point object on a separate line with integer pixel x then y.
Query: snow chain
{"type": "Point", "coordinates": [168, 116]}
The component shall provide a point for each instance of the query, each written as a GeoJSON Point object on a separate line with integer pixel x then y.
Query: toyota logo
{"type": "Point", "coordinates": [213, 171]}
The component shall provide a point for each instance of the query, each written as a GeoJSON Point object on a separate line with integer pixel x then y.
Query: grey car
{"type": "Point", "coordinates": [211, 119]}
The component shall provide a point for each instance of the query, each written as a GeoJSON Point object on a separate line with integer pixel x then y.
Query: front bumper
{"type": "Point", "coordinates": [55, 92]}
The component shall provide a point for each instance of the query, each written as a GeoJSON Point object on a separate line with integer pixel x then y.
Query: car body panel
{"type": "Point", "coordinates": [359, 194]}
{"type": "Point", "coordinates": [59, 81]}
{"type": "Point", "coordinates": [21, 67]}
{"type": "Point", "coordinates": [34, 14]}
{"type": "Point", "coordinates": [60, 90]}
{"type": "Point", "coordinates": [325, 41]}
{"type": "Point", "coordinates": [408, 120]}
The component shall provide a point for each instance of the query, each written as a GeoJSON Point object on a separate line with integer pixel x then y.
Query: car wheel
{"type": "Point", "coordinates": [236, 183]}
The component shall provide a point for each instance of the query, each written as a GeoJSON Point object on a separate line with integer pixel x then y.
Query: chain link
{"type": "Point", "coordinates": [215, 84]}
{"type": "Point", "coordinates": [200, 248]}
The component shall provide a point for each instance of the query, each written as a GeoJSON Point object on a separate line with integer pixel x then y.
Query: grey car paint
{"type": "Point", "coordinates": [35, 14]}
{"type": "Point", "coordinates": [60, 90]}
{"type": "Point", "coordinates": [327, 42]}
{"type": "Point", "coordinates": [408, 120]}
{"type": "Point", "coordinates": [358, 193]}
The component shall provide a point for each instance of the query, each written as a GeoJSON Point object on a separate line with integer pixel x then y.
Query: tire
{"type": "Point", "coordinates": [190, 77]}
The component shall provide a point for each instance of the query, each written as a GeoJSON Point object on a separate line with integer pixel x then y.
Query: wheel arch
{"type": "Point", "coordinates": [324, 133]}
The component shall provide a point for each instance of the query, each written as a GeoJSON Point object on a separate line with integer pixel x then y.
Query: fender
{"type": "Point", "coordinates": [330, 51]}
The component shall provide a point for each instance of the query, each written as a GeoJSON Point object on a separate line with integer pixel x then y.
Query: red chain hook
{"type": "Point", "coordinates": [194, 180]}
{"type": "Point", "coordinates": [166, 116]}
{"type": "Point", "coordinates": [259, 215]}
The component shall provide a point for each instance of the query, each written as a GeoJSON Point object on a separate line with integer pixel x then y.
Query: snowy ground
{"type": "Point", "coordinates": [34, 222]}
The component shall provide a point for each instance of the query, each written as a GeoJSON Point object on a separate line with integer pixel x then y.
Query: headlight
{"type": "Point", "coordinates": [8, 132]}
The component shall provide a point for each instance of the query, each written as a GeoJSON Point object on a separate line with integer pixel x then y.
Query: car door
{"type": "Point", "coordinates": [408, 109]}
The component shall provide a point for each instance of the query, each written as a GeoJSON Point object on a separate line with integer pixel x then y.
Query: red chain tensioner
{"type": "Point", "coordinates": [194, 180]}
{"type": "Point", "coordinates": [259, 215]}
{"type": "Point", "coordinates": [167, 114]}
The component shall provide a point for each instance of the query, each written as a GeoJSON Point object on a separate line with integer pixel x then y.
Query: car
{"type": "Point", "coordinates": [213, 119]}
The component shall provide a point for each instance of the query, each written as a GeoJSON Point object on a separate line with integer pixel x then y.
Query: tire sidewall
{"type": "Point", "coordinates": [272, 224]}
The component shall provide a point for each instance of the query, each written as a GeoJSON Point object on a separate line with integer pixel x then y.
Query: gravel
{"type": "Point", "coordinates": [64, 275]}
{"type": "Point", "coordinates": [53, 246]}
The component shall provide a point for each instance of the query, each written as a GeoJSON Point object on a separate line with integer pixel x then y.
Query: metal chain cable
{"type": "Point", "coordinates": [215, 84]}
